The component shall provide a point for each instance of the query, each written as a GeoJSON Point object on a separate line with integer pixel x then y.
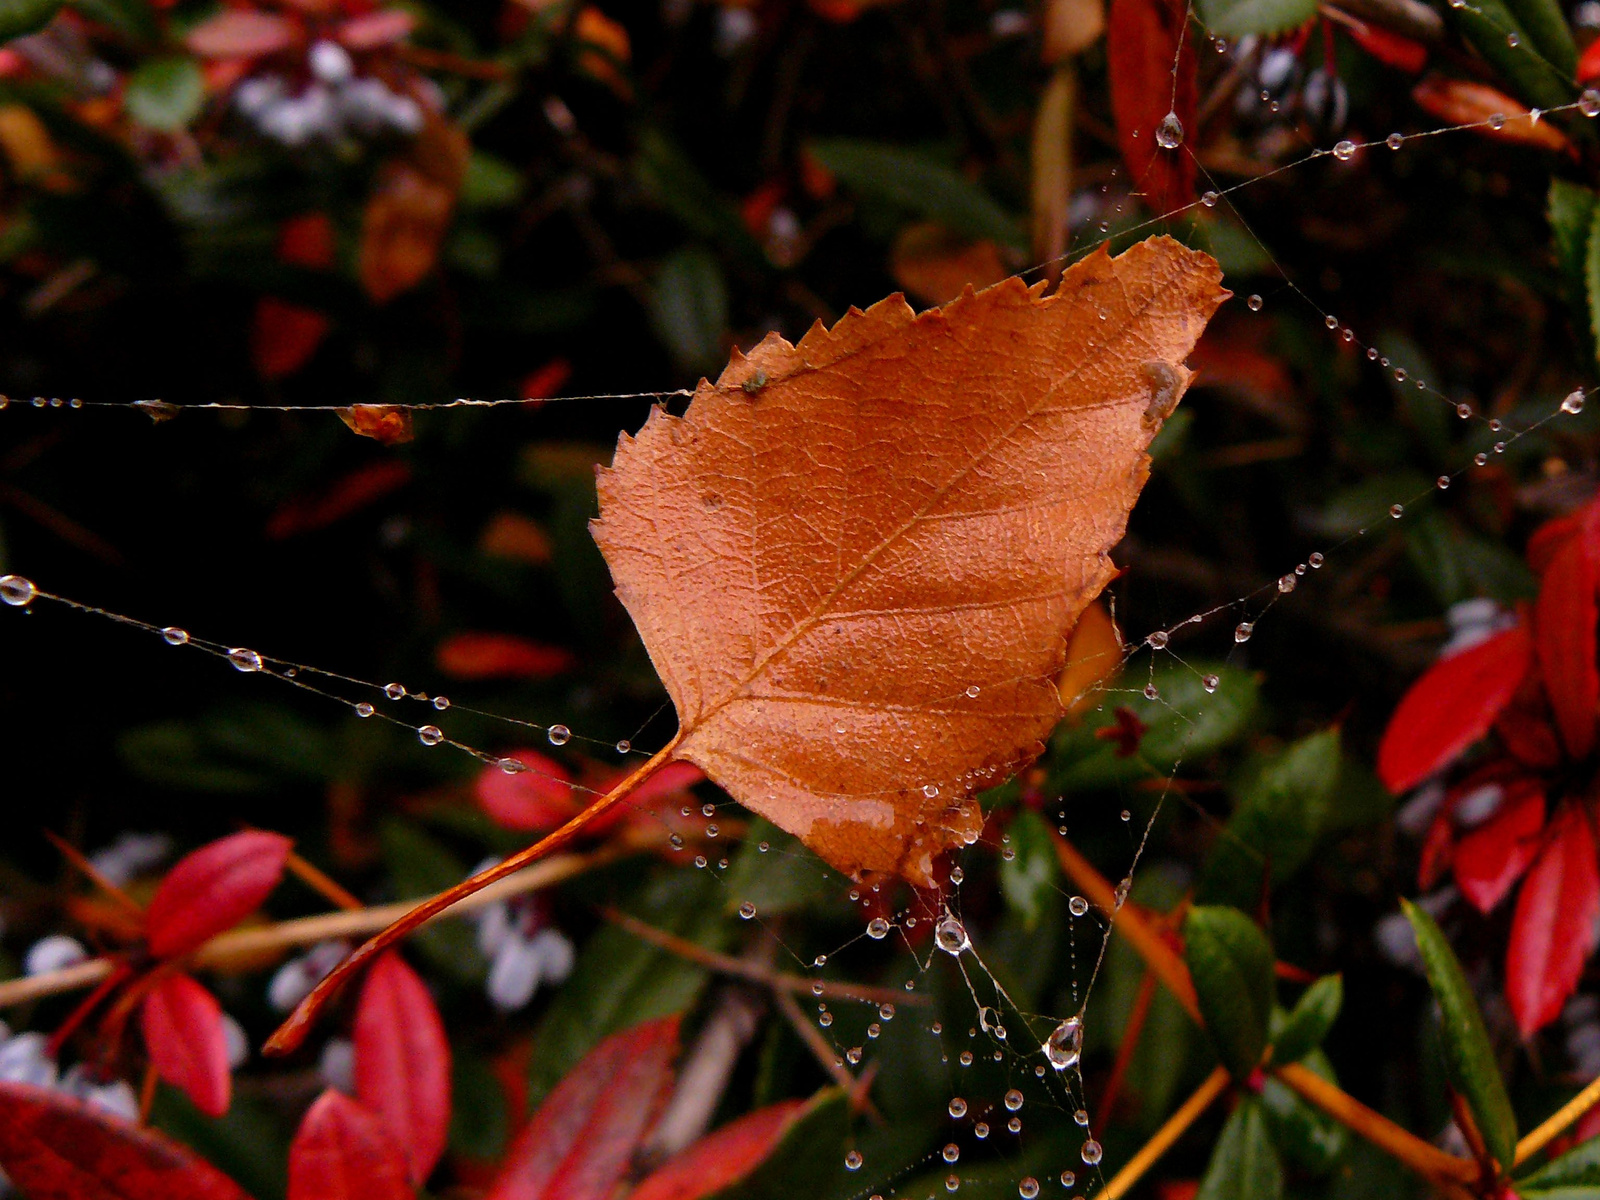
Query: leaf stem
{"type": "Point", "coordinates": [1558, 1123]}
{"type": "Point", "coordinates": [1161, 1141]}
{"type": "Point", "coordinates": [293, 1031]}
{"type": "Point", "coordinates": [1131, 1032]}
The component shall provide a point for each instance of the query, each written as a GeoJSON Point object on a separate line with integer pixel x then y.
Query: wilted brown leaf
{"type": "Point", "coordinates": [1467, 102]}
{"type": "Point", "coordinates": [855, 561]}
{"type": "Point", "coordinates": [409, 212]}
{"type": "Point", "coordinates": [386, 423]}
{"type": "Point", "coordinates": [936, 264]}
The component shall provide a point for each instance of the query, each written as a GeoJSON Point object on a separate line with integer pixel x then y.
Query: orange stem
{"type": "Point", "coordinates": [124, 901]}
{"type": "Point", "coordinates": [1558, 1123]}
{"type": "Point", "coordinates": [1122, 1182]}
{"type": "Point", "coordinates": [293, 1031]}
{"type": "Point", "coordinates": [1130, 1043]}
{"type": "Point", "coordinates": [320, 882]}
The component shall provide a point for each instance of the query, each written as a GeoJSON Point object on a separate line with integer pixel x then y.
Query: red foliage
{"type": "Point", "coordinates": [187, 1042]}
{"type": "Point", "coordinates": [1493, 857]}
{"type": "Point", "coordinates": [402, 1062]}
{"type": "Point", "coordinates": [1552, 932]}
{"type": "Point", "coordinates": [307, 241]}
{"type": "Point", "coordinates": [722, 1157]}
{"type": "Point", "coordinates": [57, 1148]}
{"type": "Point", "coordinates": [538, 798]}
{"type": "Point", "coordinates": [284, 336]}
{"type": "Point", "coordinates": [501, 656]}
{"type": "Point", "coordinates": [1152, 73]}
{"type": "Point", "coordinates": [1564, 635]}
{"type": "Point", "coordinates": [213, 889]}
{"type": "Point", "coordinates": [348, 495]}
{"type": "Point", "coordinates": [342, 1152]}
{"type": "Point", "coordinates": [1589, 63]}
{"type": "Point", "coordinates": [579, 1143]}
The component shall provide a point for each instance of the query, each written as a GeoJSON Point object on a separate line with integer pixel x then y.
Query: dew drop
{"type": "Point", "coordinates": [930, 790]}
{"type": "Point", "coordinates": [825, 1019]}
{"type": "Point", "coordinates": [1372, 354]}
{"type": "Point", "coordinates": [1169, 134]}
{"type": "Point", "coordinates": [1574, 401]}
{"type": "Point", "coordinates": [1127, 814]}
{"type": "Point", "coordinates": [364, 709]}
{"type": "Point", "coordinates": [1463, 410]}
{"type": "Point", "coordinates": [1253, 303]}
{"type": "Point", "coordinates": [952, 1183]}
{"type": "Point", "coordinates": [1399, 374]}
{"type": "Point", "coordinates": [1091, 1152]}
{"type": "Point", "coordinates": [559, 735]}
{"type": "Point", "coordinates": [173, 636]}
{"type": "Point", "coordinates": [1394, 141]}
{"type": "Point", "coordinates": [1344, 151]}
{"type": "Point", "coordinates": [700, 861]}
{"type": "Point", "coordinates": [852, 1161]}
{"type": "Point", "coordinates": [747, 910]}
{"type": "Point", "coordinates": [430, 735]}
{"type": "Point", "coordinates": [1028, 1187]}
{"type": "Point", "coordinates": [877, 929]}
{"type": "Point", "coordinates": [1286, 583]}
{"type": "Point", "coordinates": [1081, 1117]}
{"type": "Point", "coordinates": [958, 1108]}
{"type": "Point", "coordinates": [713, 830]}
{"type": "Point", "coordinates": [1064, 1046]}
{"type": "Point", "coordinates": [1494, 425]}
{"type": "Point", "coordinates": [1442, 482]}
{"type": "Point", "coordinates": [242, 659]}
{"type": "Point", "coordinates": [1315, 560]}
{"type": "Point", "coordinates": [1589, 102]}
{"type": "Point", "coordinates": [1157, 640]}
{"type": "Point", "coordinates": [820, 960]}
{"type": "Point", "coordinates": [1499, 447]}
{"type": "Point", "coordinates": [966, 1058]}
{"type": "Point", "coordinates": [676, 841]}
{"type": "Point", "coordinates": [853, 1055]}
{"type": "Point", "coordinates": [886, 1011]}
{"type": "Point", "coordinates": [1077, 906]}
{"type": "Point", "coordinates": [1242, 631]}
{"type": "Point", "coordinates": [952, 1152]}
{"type": "Point", "coordinates": [980, 1130]}
{"type": "Point", "coordinates": [1209, 199]}
{"type": "Point", "coordinates": [1210, 682]}
{"type": "Point", "coordinates": [1513, 40]}
{"type": "Point", "coordinates": [1068, 1178]}
{"type": "Point", "coordinates": [1013, 1100]}
{"type": "Point", "coordinates": [957, 875]}
{"type": "Point", "coordinates": [441, 703]}
{"type": "Point", "coordinates": [624, 746]}
{"type": "Point", "coordinates": [1397, 511]}
{"type": "Point", "coordinates": [1331, 321]}
{"type": "Point", "coordinates": [1014, 1125]}
{"type": "Point", "coordinates": [972, 692]}
{"type": "Point", "coordinates": [1480, 459]}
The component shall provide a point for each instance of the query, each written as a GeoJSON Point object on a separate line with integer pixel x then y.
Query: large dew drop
{"type": "Point", "coordinates": [1028, 1187]}
{"type": "Point", "coordinates": [1169, 134]}
{"type": "Point", "coordinates": [559, 735]}
{"type": "Point", "coordinates": [951, 935]}
{"type": "Point", "coordinates": [1064, 1046]}
{"type": "Point", "coordinates": [1572, 404]}
{"type": "Point", "coordinates": [877, 929]}
{"type": "Point", "coordinates": [1091, 1152]}
{"type": "Point", "coordinates": [244, 660]}
{"type": "Point", "coordinates": [17, 591]}
{"type": "Point", "coordinates": [173, 636]}
{"type": "Point", "coordinates": [430, 735]}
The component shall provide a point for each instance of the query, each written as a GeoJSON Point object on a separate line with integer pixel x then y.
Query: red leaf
{"type": "Point", "coordinates": [1388, 48]}
{"type": "Point", "coordinates": [55, 1147]}
{"type": "Point", "coordinates": [242, 33]}
{"type": "Point", "coordinates": [213, 889]}
{"type": "Point", "coordinates": [347, 495]}
{"type": "Point", "coordinates": [1451, 706]}
{"type": "Point", "coordinates": [403, 1062]}
{"type": "Point", "coordinates": [307, 241]}
{"type": "Point", "coordinates": [721, 1158]}
{"type": "Point", "coordinates": [538, 798]}
{"type": "Point", "coordinates": [1589, 63]}
{"type": "Point", "coordinates": [341, 1152]}
{"type": "Point", "coordinates": [187, 1042]}
{"type": "Point", "coordinates": [284, 336]}
{"type": "Point", "coordinates": [1142, 45]}
{"type": "Point", "coordinates": [1438, 847]}
{"type": "Point", "coordinates": [1552, 931]}
{"type": "Point", "coordinates": [580, 1142]}
{"type": "Point", "coordinates": [546, 381]}
{"type": "Point", "coordinates": [388, 424]}
{"type": "Point", "coordinates": [375, 29]}
{"type": "Point", "coordinates": [669, 783]}
{"type": "Point", "coordinates": [500, 656]}
{"type": "Point", "coordinates": [1564, 635]}
{"type": "Point", "coordinates": [1493, 857]}
{"type": "Point", "coordinates": [1525, 727]}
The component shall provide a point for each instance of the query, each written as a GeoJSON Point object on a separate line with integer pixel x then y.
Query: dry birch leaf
{"type": "Point", "coordinates": [855, 562]}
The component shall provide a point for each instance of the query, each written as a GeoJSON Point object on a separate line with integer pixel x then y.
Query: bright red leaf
{"type": "Point", "coordinates": [538, 798]}
{"type": "Point", "coordinates": [1451, 706]}
{"type": "Point", "coordinates": [388, 424]}
{"type": "Point", "coordinates": [402, 1062]}
{"type": "Point", "coordinates": [1389, 48]}
{"type": "Point", "coordinates": [307, 241]}
{"type": "Point", "coordinates": [1493, 857]}
{"type": "Point", "coordinates": [187, 1041]}
{"type": "Point", "coordinates": [55, 1147]}
{"type": "Point", "coordinates": [284, 336]}
{"type": "Point", "coordinates": [580, 1142]}
{"type": "Point", "coordinates": [214, 889]}
{"type": "Point", "coordinates": [1552, 931]}
{"type": "Point", "coordinates": [342, 1152]}
{"type": "Point", "coordinates": [1564, 636]}
{"type": "Point", "coordinates": [349, 494]}
{"type": "Point", "coordinates": [1150, 78]}
{"type": "Point", "coordinates": [1589, 63]}
{"type": "Point", "coordinates": [501, 656]}
{"type": "Point", "coordinates": [375, 29]}
{"type": "Point", "coordinates": [721, 1158]}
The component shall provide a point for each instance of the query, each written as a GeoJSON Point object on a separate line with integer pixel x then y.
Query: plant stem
{"type": "Point", "coordinates": [1558, 1123]}
{"type": "Point", "coordinates": [320, 882]}
{"type": "Point", "coordinates": [1173, 1128]}
{"type": "Point", "coordinates": [824, 1053]}
{"type": "Point", "coordinates": [1131, 1032]}
{"type": "Point", "coordinates": [293, 1031]}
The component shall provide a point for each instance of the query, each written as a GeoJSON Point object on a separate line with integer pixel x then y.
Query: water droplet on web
{"type": "Point", "coordinates": [559, 735]}
{"type": "Point", "coordinates": [877, 929]}
{"type": "Point", "coordinates": [1013, 1100]}
{"type": "Point", "coordinates": [441, 703]}
{"type": "Point", "coordinates": [972, 692]}
{"type": "Point", "coordinates": [1015, 1124]}
{"type": "Point", "coordinates": [1077, 906]}
{"type": "Point", "coordinates": [1499, 447]}
{"type": "Point", "coordinates": [853, 1055]}
{"type": "Point", "coordinates": [713, 830]}
{"type": "Point", "coordinates": [1081, 1117]}
{"type": "Point", "coordinates": [1027, 1187]}
{"type": "Point", "coordinates": [820, 960]}
{"type": "Point", "coordinates": [1242, 631]}
{"type": "Point", "coordinates": [1442, 482]}
{"type": "Point", "coordinates": [952, 1152]}
{"type": "Point", "coordinates": [1127, 814]}
{"type": "Point", "coordinates": [958, 1108]}
{"type": "Point", "coordinates": [1122, 889]}
{"type": "Point", "coordinates": [1344, 151]}
{"type": "Point", "coordinates": [1513, 40]}
{"type": "Point", "coordinates": [930, 790]}
{"type": "Point", "coordinates": [1315, 559]}
{"type": "Point", "coordinates": [1209, 199]}
{"type": "Point", "coordinates": [430, 735]}
{"type": "Point", "coordinates": [1157, 640]}
{"type": "Point", "coordinates": [1169, 134]}
{"type": "Point", "coordinates": [1574, 401]}
{"type": "Point", "coordinates": [952, 1183]}
{"type": "Point", "coordinates": [1151, 692]}
{"type": "Point", "coordinates": [364, 709]}
{"type": "Point", "coordinates": [1589, 102]}
{"type": "Point", "coordinates": [1394, 141]}
{"type": "Point", "coordinates": [1463, 411]}
{"type": "Point", "coordinates": [708, 810]}
{"type": "Point", "coordinates": [171, 635]}
{"type": "Point", "coordinates": [1068, 1178]}
{"type": "Point", "coordinates": [1399, 374]}
{"type": "Point", "coordinates": [1091, 1152]}
{"type": "Point", "coordinates": [1209, 682]}
{"type": "Point", "coordinates": [747, 910]}
{"type": "Point", "coordinates": [825, 1019]}
{"type": "Point", "coordinates": [1008, 853]}
{"type": "Point", "coordinates": [1372, 354]}
{"type": "Point", "coordinates": [957, 875]}
{"type": "Point", "coordinates": [1064, 1046]}
{"type": "Point", "coordinates": [1397, 511]}
{"type": "Point", "coordinates": [852, 1161]}
{"type": "Point", "coordinates": [951, 935]}
{"type": "Point", "coordinates": [1253, 303]}
{"type": "Point", "coordinates": [980, 1130]}
{"type": "Point", "coordinates": [1480, 459]}
{"type": "Point", "coordinates": [700, 861]}
{"type": "Point", "coordinates": [1286, 583]}
{"type": "Point", "coordinates": [1494, 425]}
{"type": "Point", "coordinates": [886, 1011]}
{"type": "Point", "coordinates": [244, 660]}
{"type": "Point", "coordinates": [395, 691]}
{"type": "Point", "coordinates": [966, 1058]}
{"type": "Point", "coordinates": [676, 841]}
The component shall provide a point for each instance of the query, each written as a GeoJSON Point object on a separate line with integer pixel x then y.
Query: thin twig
{"type": "Point", "coordinates": [1130, 1043]}
{"type": "Point", "coordinates": [1558, 1123]}
{"type": "Point", "coordinates": [1161, 1141]}
{"type": "Point", "coordinates": [824, 1053]}
{"type": "Point", "coordinates": [755, 972]}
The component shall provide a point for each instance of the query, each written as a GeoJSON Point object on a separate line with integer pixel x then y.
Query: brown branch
{"type": "Point", "coordinates": [1174, 1128]}
{"type": "Point", "coordinates": [1558, 1123]}
{"type": "Point", "coordinates": [726, 964]}
{"type": "Point", "coordinates": [822, 1050]}
{"type": "Point", "coordinates": [323, 884]}
{"type": "Point", "coordinates": [1129, 1044]}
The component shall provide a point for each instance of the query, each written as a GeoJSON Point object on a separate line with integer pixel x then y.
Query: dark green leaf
{"type": "Point", "coordinates": [1469, 1058]}
{"type": "Point", "coordinates": [689, 308]}
{"type": "Point", "coordinates": [1030, 874]}
{"type": "Point", "coordinates": [1241, 18]}
{"type": "Point", "coordinates": [1552, 36]}
{"type": "Point", "coordinates": [18, 17]}
{"type": "Point", "coordinates": [669, 178]}
{"type": "Point", "coordinates": [1309, 1137]}
{"type": "Point", "coordinates": [920, 185]}
{"type": "Point", "coordinates": [247, 1142]}
{"type": "Point", "coordinates": [479, 1122]}
{"type": "Point", "coordinates": [1230, 960]}
{"type": "Point", "coordinates": [1489, 25]}
{"type": "Point", "coordinates": [165, 93]}
{"type": "Point", "coordinates": [1309, 1021]}
{"type": "Point", "coordinates": [1573, 1176]}
{"type": "Point", "coordinates": [1571, 208]}
{"type": "Point", "coordinates": [1459, 565]}
{"type": "Point", "coordinates": [784, 878]}
{"type": "Point", "coordinates": [1245, 1163]}
{"type": "Point", "coordinates": [490, 182]}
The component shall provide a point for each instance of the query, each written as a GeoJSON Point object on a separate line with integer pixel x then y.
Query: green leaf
{"type": "Point", "coordinates": [1591, 276]}
{"type": "Point", "coordinates": [1468, 1056]}
{"type": "Point", "coordinates": [166, 93]}
{"type": "Point", "coordinates": [19, 17]}
{"type": "Point", "coordinates": [1030, 874]}
{"type": "Point", "coordinates": [1308, 1136]}
{"type": "Point", "coordinates": [1230, 960]}
{"type": "Point", "coordinates": [1308, 1022]}
{"type": "Point", "coordinates": [1282, 812]}
{"type": "Point", "coordinates": [668, 176]}
{"type": "Point", "coordinates": [248, 1142]}
{"type": "Point", "coordinates": [1552, 36]}
{"type": "Point", "coordinates": [1245, 1163]}
{"type": "Point", "coordinates": [689, 308]}
{"type": "Point", "coordinates": [784, 878]}
{"type": "Point", "coordinates": [915, 183]}
{"type": "Point", "coordinates": [420, 866]}
{"type": "Point", "coordinates": [1489, 26]}
{"type": "Point", "coordinates": [1459, 565]}
{"type": "Point", "coordinates": [1571, 208]}
{"type": "Point", "coordinates": [490, 182]}
{"type": "Point", "coordinates": [1573, 1176]}
{"type": "Point", "coordinates": [1240, 18]}
{"type": "Point", "coordinates": [479, 1122]}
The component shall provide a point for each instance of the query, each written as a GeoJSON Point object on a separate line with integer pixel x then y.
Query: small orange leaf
{"type": "Point", "coordinates": [512, 535]}
{"type": "Point", "coordinates": [936, 265]}
{"type": "Point", "coordinates": [1094, 654]}
{"type": "Point", "coordinates": [1466, 102]}
{"type": "Point", "coordinates": [855, 561]}
{"type": "Point", "coordinates": [386, 423]}
{"type": "Point", "coordinates": [409, 212]}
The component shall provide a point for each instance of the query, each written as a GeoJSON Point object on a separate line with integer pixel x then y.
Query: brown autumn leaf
{"type": "Point", "coordinates": [935, 264]}
{"type": "Point", "coordinates": [410, 210]}
{"type": "Point", "coordinates": [386, 423]}
{"type": "Point", "coordinates": [856, 561]}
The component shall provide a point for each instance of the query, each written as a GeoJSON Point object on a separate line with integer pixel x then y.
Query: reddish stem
{"type": "Point", "coordinates": [293, 1031]}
